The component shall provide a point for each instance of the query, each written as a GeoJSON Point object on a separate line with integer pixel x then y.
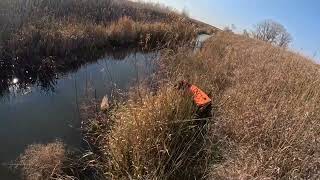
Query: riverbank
{"type": "Point", "coordinates": [261, 95]}
{"type": "Point", "coordinates": [265, 122]}
{"type": "Point", "coordinates": [60, 28]}
{"type": "Point", "coordinates": [63, 39]}
{"type": "Point", "coordinates": [44, 38]}
{"type": "Point", "coordinates": [57, 102]}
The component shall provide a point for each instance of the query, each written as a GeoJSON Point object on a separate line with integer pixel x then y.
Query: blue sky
{"type": "Point", "coordinates": [301, 18]}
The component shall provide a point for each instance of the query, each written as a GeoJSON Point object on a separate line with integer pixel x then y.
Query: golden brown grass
{"type": "Point", "coordinates": [151, 138]}
{"type": "Point", "coordinates": [61, 28]}
{"type": "Point", "coordinates": [56, 161]}
{"type": "Point", "coordinates": [266, 116]}
{"type": "Point", "coordinates": [265, 123]}
{"type": "Point", "coordinates": [266, 104]}
{"type": "Point", "coordinates": [15, 14]}
{"type": "Point", "coordinates": [64, 39]}
{"type": "Point", "coordinates": [43, 161]}
{"type": "Point", "coordinates": [270, 111]}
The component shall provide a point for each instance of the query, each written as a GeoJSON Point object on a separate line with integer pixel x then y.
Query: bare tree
{"type": "Point", "coordinates": [272, 32]}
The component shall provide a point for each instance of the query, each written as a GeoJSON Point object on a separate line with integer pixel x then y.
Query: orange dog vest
{"type": "Point", "coordinates": [199, 97]}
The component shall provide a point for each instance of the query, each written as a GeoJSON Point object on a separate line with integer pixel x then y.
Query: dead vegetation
{"type": "Point", "coordinates": [149, 138]}
{"type": "Point", "coordinates": [65, 39]}
{"type": "Point", "coordinates": [56, 161]}
{"type": "Point", "coordinates": [267, 109]}
{"type": "Point", "coordinates": [43, 161]}
{"type": "Point", "coordinates": [273, 33]}
{"type": "Point", "coordinates": [48, 37]}
{"type": "Point", "coordinates": [56, 28]}
{"type": "Point", "coordinates": [265, 124]}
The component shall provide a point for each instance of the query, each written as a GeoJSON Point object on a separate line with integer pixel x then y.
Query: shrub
{"type": "Point", "coordinates": [152, 137]}
{"type": "Point", "coordinates": [43, 161]}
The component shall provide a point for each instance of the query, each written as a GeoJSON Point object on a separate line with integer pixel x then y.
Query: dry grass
{"type": "Point", "coordinates": [151, 35]}
{"type": "Point", "coordinates": [269, 112]}
{"type": "Point", "coordinates": [150, 139]}
{"type": "Point", "coordinates": [57, 40]}
{"type": "Point", "coordinates": [266, 114]}
{"type": "Point", "coordinates": [61, 28]}
{"type": "Point", "coordinates": [55, 161]}
{"type": "Point", "coordinates": [265, 123]}
{"type": "Point", "coordinates": [15, 14]}
{"type": "Point", "coordinates": [65, 39]}
{"type": "Point", "coordinates": [43, 161]}
{"type": "Point", "coordinates": [266, 104]}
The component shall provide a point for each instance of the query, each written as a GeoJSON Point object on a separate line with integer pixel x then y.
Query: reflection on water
{"type": "Point", "coordinates": [40, 105]}
{"type": "Point", "coordinates": [18, 75]}
{"type": "Point", "coordinates": [15, 80]}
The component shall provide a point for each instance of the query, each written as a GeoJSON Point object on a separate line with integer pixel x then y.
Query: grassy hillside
{"type": "Point", "coordinates": [267, 111]}
{"type": "Point", "coordinates": [265, 125]}
{"type": "Point", "coordinates": [265, 121]}
{"type": "Point", "coordinates": [265, 118]}
{"type": "Point", "coordinates": [267, 108]}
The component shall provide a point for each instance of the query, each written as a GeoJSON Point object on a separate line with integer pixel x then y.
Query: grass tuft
{"type": "Point", "coordinates": [152, 137]}
{"type": "Point", "coordinates": [42, 161]}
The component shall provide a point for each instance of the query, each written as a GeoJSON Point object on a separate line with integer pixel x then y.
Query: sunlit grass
{"type": "Point", "coordinates": [151, 137]}
{"type": "Point", "coordinates": [43, 161]}
{"type": "Point", "coordinates": [62, 39]}
{"type": "Point", "coordinates": [63, 28]}
{"type": "Point", "coordinates": [265, 122]}
{"type": "Point", "coordinates": [267, 102]}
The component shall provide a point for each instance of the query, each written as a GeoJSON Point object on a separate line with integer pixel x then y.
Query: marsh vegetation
{"type": "Point", "coordinates": [47, 36]}
{"type": "Point", "coordinates": [265, 120]}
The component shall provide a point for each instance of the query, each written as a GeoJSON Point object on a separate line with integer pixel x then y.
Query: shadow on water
{"type": "Point", "coordinates": [18, 75]}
